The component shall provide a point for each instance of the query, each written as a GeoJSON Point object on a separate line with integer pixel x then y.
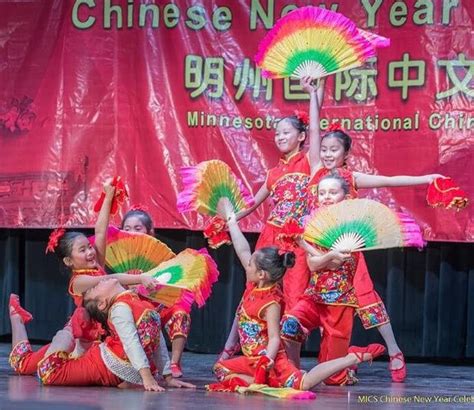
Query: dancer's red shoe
{"type": "Point", "coordinates": [16, 309]}
{"type": "Point", "coordinates": [398, 375]}
{"type": "Point", "coordinates": [374, 350]}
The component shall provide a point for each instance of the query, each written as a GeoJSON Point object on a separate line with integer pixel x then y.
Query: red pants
{"type": "Point", "coordinates": [284, 373]}
{"type": "Point", "coordinates": [88, 370]}
{"type": "Point", "coordinates": [23, 360]}
{"type": "Point", "coordinates": [176, 321]}
{"type": "Point", "coordinates": [371, 311]}
{"type": "Point", "coordinates": [336, 323]}
{"type": "Point", "coordinates": [296, 279]}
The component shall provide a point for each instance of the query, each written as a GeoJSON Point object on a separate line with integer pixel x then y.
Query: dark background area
{"type": "Point", "coordinates": [428, 294]}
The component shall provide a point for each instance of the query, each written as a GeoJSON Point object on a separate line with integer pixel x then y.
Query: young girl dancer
{"type": "Point", "coordinates": [127, 357]}
{"type": "Point", "coordinates": [86, 262]}
{"type": "Point", "coordinates": [258, 324]}
{"type": "Point", "coordinates": [329, 302]}
{"type": "Point", "coordinates": [286, 185]}
{"type": "Point", "coordinates": [335, 147]}
{"type": "Point", "coordinates": [176, 319]}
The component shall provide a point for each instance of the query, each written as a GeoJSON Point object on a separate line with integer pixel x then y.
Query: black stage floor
{"type": "Point", "coordinates": [428, 386]}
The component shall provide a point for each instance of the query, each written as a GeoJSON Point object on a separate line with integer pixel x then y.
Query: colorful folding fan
{"type": "Point", "coordinates": [315, 42]}
{"type": "Point", "coordinates": [361, 224]}
{"type": "Point", "coordinates": [134, 251]}
{"type": "Point", "coordinates": [286, 393]}
{"type": "Point", "coordinates": [206, 183]}
{"type": "Point", "coordinates": [191, 269]}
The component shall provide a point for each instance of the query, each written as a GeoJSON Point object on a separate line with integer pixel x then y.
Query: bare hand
{"type": "Point", "coordinates": [308, 85]}
{"type": "Point", "coordinates": [225, 208]}
{"type": "Point", "coordinates": [148, 281]}
{"type": "Point", "coordinates": [172, 382]}
{"type": "Point", "coordinates": [341, 256]}
{"type": "Point", "coordinates": [430, 178]}
{"type": "Point", "coordinates": [152, 385]}
{"type": "Point", "coordinates": [108, 188]}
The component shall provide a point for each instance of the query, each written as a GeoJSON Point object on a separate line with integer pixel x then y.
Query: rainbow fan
{"type": "Point", "coordinates": [191, 269]}
{"type": "Point", "coordinates": [315, 42]}
{"type": "Point", "coordinates": [206, 183]}
{"type": "Point", "coordinates": [361, 224]}
{"type": "Point", "coordinates": [286, 393]}
{"type": "Point", "coordinates": [133, 251]}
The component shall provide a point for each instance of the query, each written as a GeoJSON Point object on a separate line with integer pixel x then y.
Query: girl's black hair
{"type": "Point", "coordinates": [342, 137]}
{"type": "Point", "coordinates": [92, 307]}
{"type": "Point", "coordinates": [335, 175]}
{"type": "Point", "coordinates": [65, 243]}
{"type": "Point", "coordinates": [270, 260]}
{"type": "Point", "coordinates": [144, 217]}
{"type": "Point", "coordinates": [296, 122]}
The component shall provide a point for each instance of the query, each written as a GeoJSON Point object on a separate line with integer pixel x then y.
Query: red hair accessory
{"type": "Point", "coordinates": [54, 238]}
{"type": "Point", "coordinates": [139, 207]}
{"type": "Point", "coordinates": [119, 196]}
{"type": "Point", "coordinates": [215, 234]}
{"type": "Point", "coordinates": [302, 116]}
{"type": "Point", "coordinates": [445, 193]}
{"type": "Point", "coordinates": [335, 126]}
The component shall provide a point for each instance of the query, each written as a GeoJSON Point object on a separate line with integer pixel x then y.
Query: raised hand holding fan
{"type": "Point", "coordinates": [315, 42]}
{"type": "Point", "coordinates": [206, 183]}
{"type": "Point", "coordinates": [361, 224]}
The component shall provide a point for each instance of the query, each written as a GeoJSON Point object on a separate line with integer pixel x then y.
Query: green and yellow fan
{"type": "Point", "coordinates": [361, 224]}
{"type": "Point", "coordinates": [134, 251]}
{"type": "Point", "coordinates": [206, 183]}
{"type": "Point", "coordinates": [315, 42]}
{"type": "Point", "coordinates": [191, 269]}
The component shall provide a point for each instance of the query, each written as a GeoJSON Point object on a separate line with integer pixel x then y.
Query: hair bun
{"type": "Point", "coordinates": [288, 259]}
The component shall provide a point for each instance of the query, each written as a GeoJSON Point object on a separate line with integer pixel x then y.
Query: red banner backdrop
{"type": "Point", "coordinates": [92, 89]}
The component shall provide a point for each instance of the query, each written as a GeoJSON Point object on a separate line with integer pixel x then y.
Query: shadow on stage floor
{"type": "Point", "coordinates": [427, 386]}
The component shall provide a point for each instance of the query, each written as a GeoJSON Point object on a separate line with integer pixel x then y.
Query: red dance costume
{"type": "Point", "coordinates": [176, 320]}
{"type": "Point", "coordinates": [371, 309]}
{"type": "Point", "coordinates": [328, 302]}
{"type": "Point", "coordinates": [22, 358]}
{"type": "Point", "coordinates": [287, 184]}
{"type": "Point", "coordinates": [107, 364]}
{"type": "Point", "coordinates": [253, 335]}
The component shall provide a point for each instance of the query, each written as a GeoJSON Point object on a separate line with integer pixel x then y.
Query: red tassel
{"type": "Point", "coordinates": [290, 232]}
{"type": "Point", "coordinates": [443, 192]}
{"type": "Point", "coordinates": [119, 196]}
{"type": "Point", "coordinates": [215, 234]}
{"type": "Point", "coordinates": [264, 365]}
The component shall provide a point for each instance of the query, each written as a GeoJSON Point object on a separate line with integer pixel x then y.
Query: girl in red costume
{"type": "Point", "coordinates": [86, 262]}
{"type": "Point", "coordinates": [286, 185]}
{"type": "Point", "coordinates": [258, 325]}
{"type": "Point", "coordinates": [329, 302]}
{"type": "Point", "coordinates": [129, 355]}
{"type": "Point", "coordinates": [335, 147]}
{"type": "Point", "coordinates": [176, 319]}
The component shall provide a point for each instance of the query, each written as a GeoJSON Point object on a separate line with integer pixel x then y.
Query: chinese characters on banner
{"type": "Point", "coordinates": [139, 89]}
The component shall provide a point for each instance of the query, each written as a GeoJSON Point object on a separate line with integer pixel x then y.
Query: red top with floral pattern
{"type": "Point", "coordinates": [287, 183]}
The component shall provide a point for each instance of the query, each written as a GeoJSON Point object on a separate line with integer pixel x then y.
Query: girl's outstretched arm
{"type": "Point", "coordinates": [316, 94]}
{"type": "Point", "coordinates": [261, 195]}
{"type": "Point", "coordinates": [379, 181]}
{"type": "Point", "coordinates": [83, 283]}
{"type": "Point", "coordinates": [103, 222]}
{"type": "Point", "coordinates": [322, 261]}
{"type": "Point", "coordinates": [241, 245]}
